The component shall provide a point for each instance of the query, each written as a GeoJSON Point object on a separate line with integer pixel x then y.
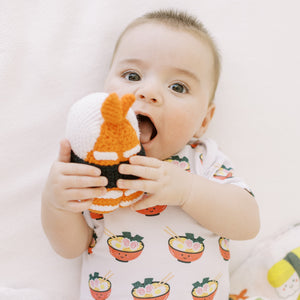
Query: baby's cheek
{"type": "Point", "coordinates": [185, 124]}
{"type": "Point", "coordinates": [177, 130]}
{"type": "Point", "coordinates": [114, 84]}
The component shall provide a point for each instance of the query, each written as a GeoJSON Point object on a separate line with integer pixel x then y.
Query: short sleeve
{"type": "Point", "coordinates": [216, 166]}
{"type": "Point", "coordinates": [97, 224]}
{"type": "Point", "coordinates": [88, 219]}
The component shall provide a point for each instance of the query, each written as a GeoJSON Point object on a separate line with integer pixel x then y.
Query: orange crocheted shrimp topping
{"type": "Point", "coordinates": [118, 139]}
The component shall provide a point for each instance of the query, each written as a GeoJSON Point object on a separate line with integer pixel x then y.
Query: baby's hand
{"type": "Point", "coordinates": [72, 186]}
{"type": "Point", "coordinates": [165, 183]}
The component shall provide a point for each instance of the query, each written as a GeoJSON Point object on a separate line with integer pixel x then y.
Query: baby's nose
{"type": "Point", "coordinates": [150, 91]}
{"type": "Point", "coordinates": [151, 99]}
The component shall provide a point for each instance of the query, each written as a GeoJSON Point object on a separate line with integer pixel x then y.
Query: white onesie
{"type": "Point", "coordinates": [161, 252]}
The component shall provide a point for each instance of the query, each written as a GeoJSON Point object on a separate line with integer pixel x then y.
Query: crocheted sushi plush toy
{"type": "Point", "coordinates": [103, 132]}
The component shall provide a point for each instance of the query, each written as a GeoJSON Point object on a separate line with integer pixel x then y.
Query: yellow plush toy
{"type": "Point", "coordinates": [103, 132]}
{"type": "Point", "coordinates": [284, 276]}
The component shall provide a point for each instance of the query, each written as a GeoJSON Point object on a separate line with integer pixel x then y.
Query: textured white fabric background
{"type": "Point", "coordinates": [54, 52]}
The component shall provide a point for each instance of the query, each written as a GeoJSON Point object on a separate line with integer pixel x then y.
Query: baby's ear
{"type": "Point", "coordinates": [209, 115]}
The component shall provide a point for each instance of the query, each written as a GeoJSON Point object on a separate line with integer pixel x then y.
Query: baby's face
{"type": "Point", "coordinates": [170, 72]}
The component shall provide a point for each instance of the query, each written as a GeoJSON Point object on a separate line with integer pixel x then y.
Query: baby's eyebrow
{"type": "Point", "coordinates": [187, 73]}
{"type": "Point", "coordinates": [131, 61]}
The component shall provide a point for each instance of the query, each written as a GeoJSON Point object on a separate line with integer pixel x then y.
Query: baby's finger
{"type": "Point", "coordinates": [146, 186]}
{"type": "Point", "coordinates": [148, 201]}
{"type": "Point", "coordinates": [85, 193]}
{"type": "Point", "coordinates": [84, 181]}
{"type": "Point", "coordinates": [145, 161]}
{"type": "Point", "coordinates": [139, 171]}
{"type": "Point", "coordinates": [79, 206]}
{"type": "Point", "coordinates": [64, 151]}
{"type": "Point", "coordinates": [80, 169]}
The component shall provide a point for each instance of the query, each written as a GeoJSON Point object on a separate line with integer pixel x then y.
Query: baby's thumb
{"type": "Point", "coordinates": [64, 151]}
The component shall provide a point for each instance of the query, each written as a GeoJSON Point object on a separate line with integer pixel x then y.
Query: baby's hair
{"type": "Point", "coordinates": [185, 21]}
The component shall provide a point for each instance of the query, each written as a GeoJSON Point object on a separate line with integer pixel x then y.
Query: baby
{"type": "Point", "coordinates": [174, 243]}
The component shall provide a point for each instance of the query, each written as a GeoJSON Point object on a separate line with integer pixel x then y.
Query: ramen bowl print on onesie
{"type": "Point", "coordinates": [100, 287]}
{"type": "Point", "coordinates": [125, 247]}
{"type": "Point", "coordinates": [150, 289]}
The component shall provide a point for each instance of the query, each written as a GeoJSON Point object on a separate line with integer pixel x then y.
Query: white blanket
{"type": "Point", "coordinates": [272, 269]}
{"type": "Point", "coordinates": [54, 52]}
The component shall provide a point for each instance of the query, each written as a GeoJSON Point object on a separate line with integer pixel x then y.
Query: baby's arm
{"type": "Point", "coordinates": [62, 217]}
{"type": "Point", "coordinates": [225, 209]}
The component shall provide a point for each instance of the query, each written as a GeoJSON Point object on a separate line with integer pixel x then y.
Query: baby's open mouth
{"type": "Point", "coordinates": [147, 129]}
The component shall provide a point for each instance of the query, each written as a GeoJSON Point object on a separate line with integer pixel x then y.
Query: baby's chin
{"type": "Point", "coordinates": [157, 152]}
{"type": "Point", "coordinates": [150, 152]}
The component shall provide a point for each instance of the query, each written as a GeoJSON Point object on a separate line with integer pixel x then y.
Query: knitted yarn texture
{"type": "Point", "coordinates": [103, 131]}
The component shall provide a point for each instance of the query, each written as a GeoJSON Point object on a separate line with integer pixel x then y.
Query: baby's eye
{"type": "Point", "coordinates": [132, 76]}
{"type": "Point", "coordinates": [178, 88]}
